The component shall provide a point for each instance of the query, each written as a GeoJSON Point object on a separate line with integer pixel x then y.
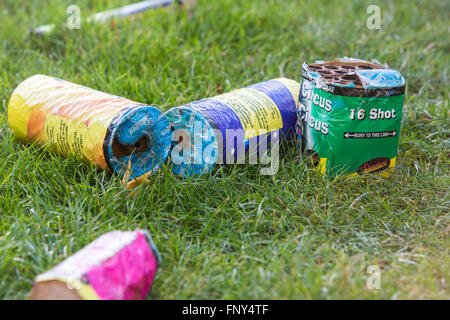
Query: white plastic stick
{"type": "Point", "coordinates": [102, 17]}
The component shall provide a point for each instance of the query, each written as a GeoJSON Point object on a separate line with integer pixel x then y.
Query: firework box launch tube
{"type": "Point", "coordinates": [117, 266]}
{"type": "Point", "coordinates": [128, 137]}
{"type": "Point", "coordinates": [350, 114]}
{"type": "Point", "coordinates": [223, 128]}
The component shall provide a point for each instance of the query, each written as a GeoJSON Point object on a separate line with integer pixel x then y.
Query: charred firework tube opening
{"type": "Point", "coordinates": [222, 128]}
{"type": "Point", "coordinates": [117, 266]}
{"type": "Point", "coordinates": [112, 132]}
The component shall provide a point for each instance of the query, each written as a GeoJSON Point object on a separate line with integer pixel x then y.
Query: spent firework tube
{"type": "Point", "coordinates": [121, 12]}
{"type": "Point", "coordinates": [208, 131]}
{"type": "Point", "coordinates": [109, 131]}
{"type": "Point", "coordinates": [349, 116]}
{"type": "Point", "coordinates": [120, 265]}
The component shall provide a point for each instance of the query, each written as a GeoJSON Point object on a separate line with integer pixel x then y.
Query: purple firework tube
{"type": "Point", "coordinates": [222, 128]}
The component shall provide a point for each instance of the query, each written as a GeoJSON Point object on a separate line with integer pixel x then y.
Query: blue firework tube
{"type": "Point", "coordinates": [220, 129]}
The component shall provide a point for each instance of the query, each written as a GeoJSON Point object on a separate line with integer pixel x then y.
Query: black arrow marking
{"type": "Point", "coordinates": [370, 135]}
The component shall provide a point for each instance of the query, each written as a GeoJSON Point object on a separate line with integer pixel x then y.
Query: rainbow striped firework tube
{"type": "Point", "coordinates": [350, 113]}
{"type": "Point", "coordinates": [117, 266]}
{"type": "Point", "coordinates": [223, 128]}
{"type": "Point", "coordinates": [107, 130]}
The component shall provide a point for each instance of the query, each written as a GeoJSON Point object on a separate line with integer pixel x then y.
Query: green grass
{"type": "Point", "coordinates": [233, 233]}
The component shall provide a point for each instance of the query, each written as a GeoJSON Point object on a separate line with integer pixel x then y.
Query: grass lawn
{"type": "Point", "coordinates": [234, 233]}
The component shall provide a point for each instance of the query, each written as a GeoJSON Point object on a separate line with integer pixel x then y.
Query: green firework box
{"type": "Point", "coordinates": [349, 116]}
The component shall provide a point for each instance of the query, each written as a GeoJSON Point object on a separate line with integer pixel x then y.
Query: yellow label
{"type": "Point", "coordinates": [75, 138]}
{"type": "Point", "coordinates": [18, 115]}
{"type": "Point", "coordinates": [322, 165]}
{"type": "Point", "coordinates": [256, 111]}
{"type": "Point", "coordinates": [66, 135]}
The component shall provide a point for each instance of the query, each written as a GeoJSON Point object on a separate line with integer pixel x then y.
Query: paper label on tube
{"type": "Point", "coordinates": [260, 112]}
